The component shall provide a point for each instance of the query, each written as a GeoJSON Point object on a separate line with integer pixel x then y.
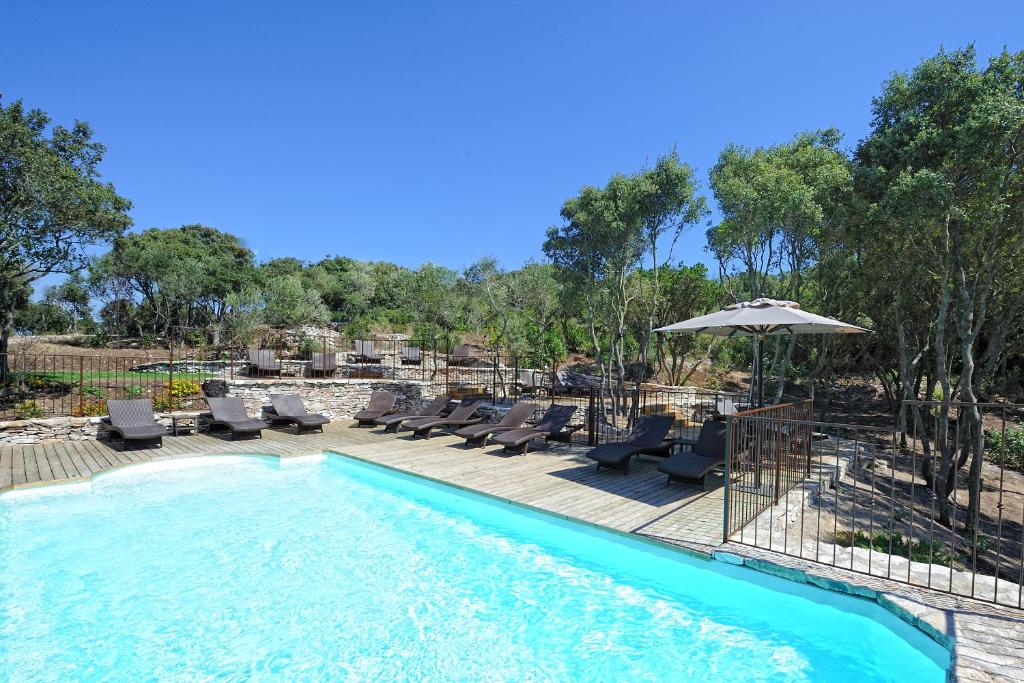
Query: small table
{"type": "Point", "coordinates": [184, 423]}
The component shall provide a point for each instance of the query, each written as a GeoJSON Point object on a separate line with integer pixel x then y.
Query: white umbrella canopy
{"type": "Point", "coordinates": [761, 318]}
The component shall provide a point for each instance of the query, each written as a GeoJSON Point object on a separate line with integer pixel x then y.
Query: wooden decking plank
{"type": "Point", "coordinates": [6, 462]}
{"type": "Point", "coordinates": [32, 465]}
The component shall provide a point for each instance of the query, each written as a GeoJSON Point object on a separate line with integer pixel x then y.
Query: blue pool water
{"type": "Point", "coordinates": [244, 568]}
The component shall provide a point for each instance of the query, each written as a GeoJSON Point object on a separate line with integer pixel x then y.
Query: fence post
{"type": "Point", "coordinates": [170, 376]}
{"type": "Point", "coordinates": [591, 419]}
{"type": "Point", "coordinates": [81, 383]}
{"type": "Point", "coordinates": [728, 477]}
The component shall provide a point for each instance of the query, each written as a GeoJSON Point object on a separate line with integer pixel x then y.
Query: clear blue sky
{"type": "Point", "coordinates": [445, 131]}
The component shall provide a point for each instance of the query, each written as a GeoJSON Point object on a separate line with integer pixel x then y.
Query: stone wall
{"type": "Point", "coordinates": [48, 430]}
{"type": "Point", "coordinates": [335, 398]}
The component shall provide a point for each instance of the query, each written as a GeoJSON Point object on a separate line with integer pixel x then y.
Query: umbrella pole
{"type": "Point", "coordinates": [760, 371]}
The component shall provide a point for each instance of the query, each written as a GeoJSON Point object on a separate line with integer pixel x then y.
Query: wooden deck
{"type": "Point", "coordinates": [558, 479]}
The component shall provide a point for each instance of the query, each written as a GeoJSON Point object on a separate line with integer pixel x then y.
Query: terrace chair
{"type": "Point", "coordinates": [411, 355]}
{"type": "Point", "coordinates": [708, 454]}
{"type": "Point", "coordinates": [289, 409]}
{"type": "Point", "coordinates": [323, 364]}
{"type": "Point", "coordinates": [550, 425]}
{"type": "Point", "coordinates": [392, 422]}
{"type": "Point", "coordinates": [515, 418]}
{"type": "Point", "coordinates": [262, 361]}
{"type": "Point", "coordinates": [133, 420]}
{"type": "Point", "coordinates": [380, 403]}
{"type": "Point", "coordinates": [647, 437]}
{"type": "Point", "coordinates": [461, 355]}
{"type": "Point", "coordinates": [230, 413]}
{"type": "Point", "coordinates": [364, 352]}
{"type": "Point", "coordinates": [462, 416]}
{"type": "Point", "coordinates": [529, 381]}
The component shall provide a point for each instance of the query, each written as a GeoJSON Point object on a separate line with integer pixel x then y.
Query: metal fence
{"type": "Point", "coordinates": [874, 500]}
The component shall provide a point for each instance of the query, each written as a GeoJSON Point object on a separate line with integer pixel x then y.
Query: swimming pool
{"type": "Point", "coordinates": [326, 568]}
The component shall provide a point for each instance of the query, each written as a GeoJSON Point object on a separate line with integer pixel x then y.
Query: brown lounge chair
{"type": "Point", "coordinates": [381, 403]}
{"type": "Point", "coordinates": [263, 362]}
{"type": "Point", "coordinates": [461, 355]}
{"type": "Point", "coordinates": [708, 454]}
{"type": "Point", "coordinates": [288, 408]}
{"type": "Point", "coordinates": [323, 364]}
{"type": "Point", "coordinates": [647, 437]}
{"type": "Point", "coordinates": [392, 422]}
{"type": "Point", "coordinates": [230, 413]}
{"type": "Point", "coordinates": [460, 417]}
{"type": "Point", "coordinates": [550, 425]}
{"type": "Point", "coordinates": [133, 420]}
{"type": "Point", "coordinates": [477, 435]}
{"type": "Point", "coordinates": [364, 352]}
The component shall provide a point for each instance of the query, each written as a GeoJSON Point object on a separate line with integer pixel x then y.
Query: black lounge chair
{"type": "Point", "coordinates": [477, 435]}
{"type": "Point", "coordinates": [364, 352]}
{"type": "Point", "coordinates": [288, 408]}
{"type": "Point", "coordinates": [133, 420]}
{"type": "Point", "coordinates": [323, 364]}
{"type": "Point", "coordinates": [263, 362]}
{"type": "Point", "coordinates": [230, 413]}
{"type": "Point", "coordinates": [550, 425]}
{"type": "Point", "coordinates": [392, 422]}
{"type": "Point", "coordinates": [647, 437]}
{"type": "Point", "coordinates": [461, 355]}
{"type": "Point", "coordinates": [462, 416]}
{"type": "Point", "coordinates": [708, 454]}
{"type": "Point", "coordinates": [411, 355]}
{"type": "Point", "coordinates": [381, 403]}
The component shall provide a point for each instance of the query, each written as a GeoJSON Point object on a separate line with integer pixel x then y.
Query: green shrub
{"type": "Point", "coordinates": [1006, 448]}
{"type": "Point", "coordinates": [27, 410]}
{"type": "Point", "coordinates": [896, 544]}
{"type": "Point", "coordinates": [94, 392]}
{"type": "Point", "coordinates": [133, 391]}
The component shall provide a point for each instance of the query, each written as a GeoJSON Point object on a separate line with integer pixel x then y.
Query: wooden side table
{"type": "Point", "coordinates": [184, 423]}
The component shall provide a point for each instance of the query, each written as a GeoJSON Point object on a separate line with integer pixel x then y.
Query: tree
{"type": "Point", "coordinates": [53, 206]}
{"type": "Point", "coordinates": [72, 298]}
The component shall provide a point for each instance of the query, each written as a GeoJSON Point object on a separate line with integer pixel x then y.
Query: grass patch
{"type": "Point", "coordinates": [1006, 448]}
{"type": "Point", "coordinates": [896, 544]}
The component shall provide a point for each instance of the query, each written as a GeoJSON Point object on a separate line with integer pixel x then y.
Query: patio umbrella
{"type": "Point", "coordinates": [761, 318]}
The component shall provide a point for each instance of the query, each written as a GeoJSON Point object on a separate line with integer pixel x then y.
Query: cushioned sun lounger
{"type": "Point", "coordinates": [708, 454]}
{"type": "Point", "coordinates": [381, 403]}
{"type": "Point", "coordinates": [133, 420]}
{"type": "Point", "coordinates": [460, 417]}
{"type": "Point", "coordinates": [477, 435]}
{"type": "Point", "coordinates": [551, 423]}
{"type": "Point", "coordinates": [647, 437]}
{"type": "Point", "coordinates": [230, 413]}
{"type": "Point", "coordinates": [392, 422]}
{"type": "Point", "coordinates": [364, 352]}
{"type": "Point", "coordinates": [323, 364]}
{"type": "Point", "coordinates": [263, 362]}
{"type": "Point", "coordinates": [288, 408]}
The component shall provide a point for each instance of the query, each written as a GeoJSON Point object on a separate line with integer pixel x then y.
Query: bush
{"type": "Point", "coordinates": [27, 410]}
{"type": "Point", "coordinates": [173, 397]}
{"type": "Point", "coordinates": [896, 544]}
{"type": "Point", "coordinates": [93, 391]}
{"type": "Point", "coordinates": [1006, 448]}
{"type": "Point", "coordinates": [91, 408]}
{"type": "Point", "coordinates": [133, 391]}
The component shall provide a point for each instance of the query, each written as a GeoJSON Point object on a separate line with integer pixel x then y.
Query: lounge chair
{"type": "Point", "coordinates": [708, 453]}
{"type": "Point", "coordinates": [133, 420]}
{"type": "Point", "coordinates": [392, 422]}
{"type": "Point", "coordinates": [530, 381]}
{"type": "Point", "coordinates": [323, 364]}
{"type": "Point", "coordinates": [550, 425]}
{"type": "Point", "coordinates": [288, 408]}
{"type": "Point", "coordinates": [477, 435]}
{"type": "Point", "coordinates": [462, 416]}
{"type": "Point", "coordinates": [461, 355]}
{"type": "Point", "coordinates": [230, 413]}
{"type": "Point", "coordinates": [647, 437]}
{"type": "Point", "coordinates": [381, 403]}
{"type": "Point", "coordinates": [263, 362]}
{"type": "Point", "coordinates": [411, 355]}
{"type": "Point", "coordinates": [364, 352]}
